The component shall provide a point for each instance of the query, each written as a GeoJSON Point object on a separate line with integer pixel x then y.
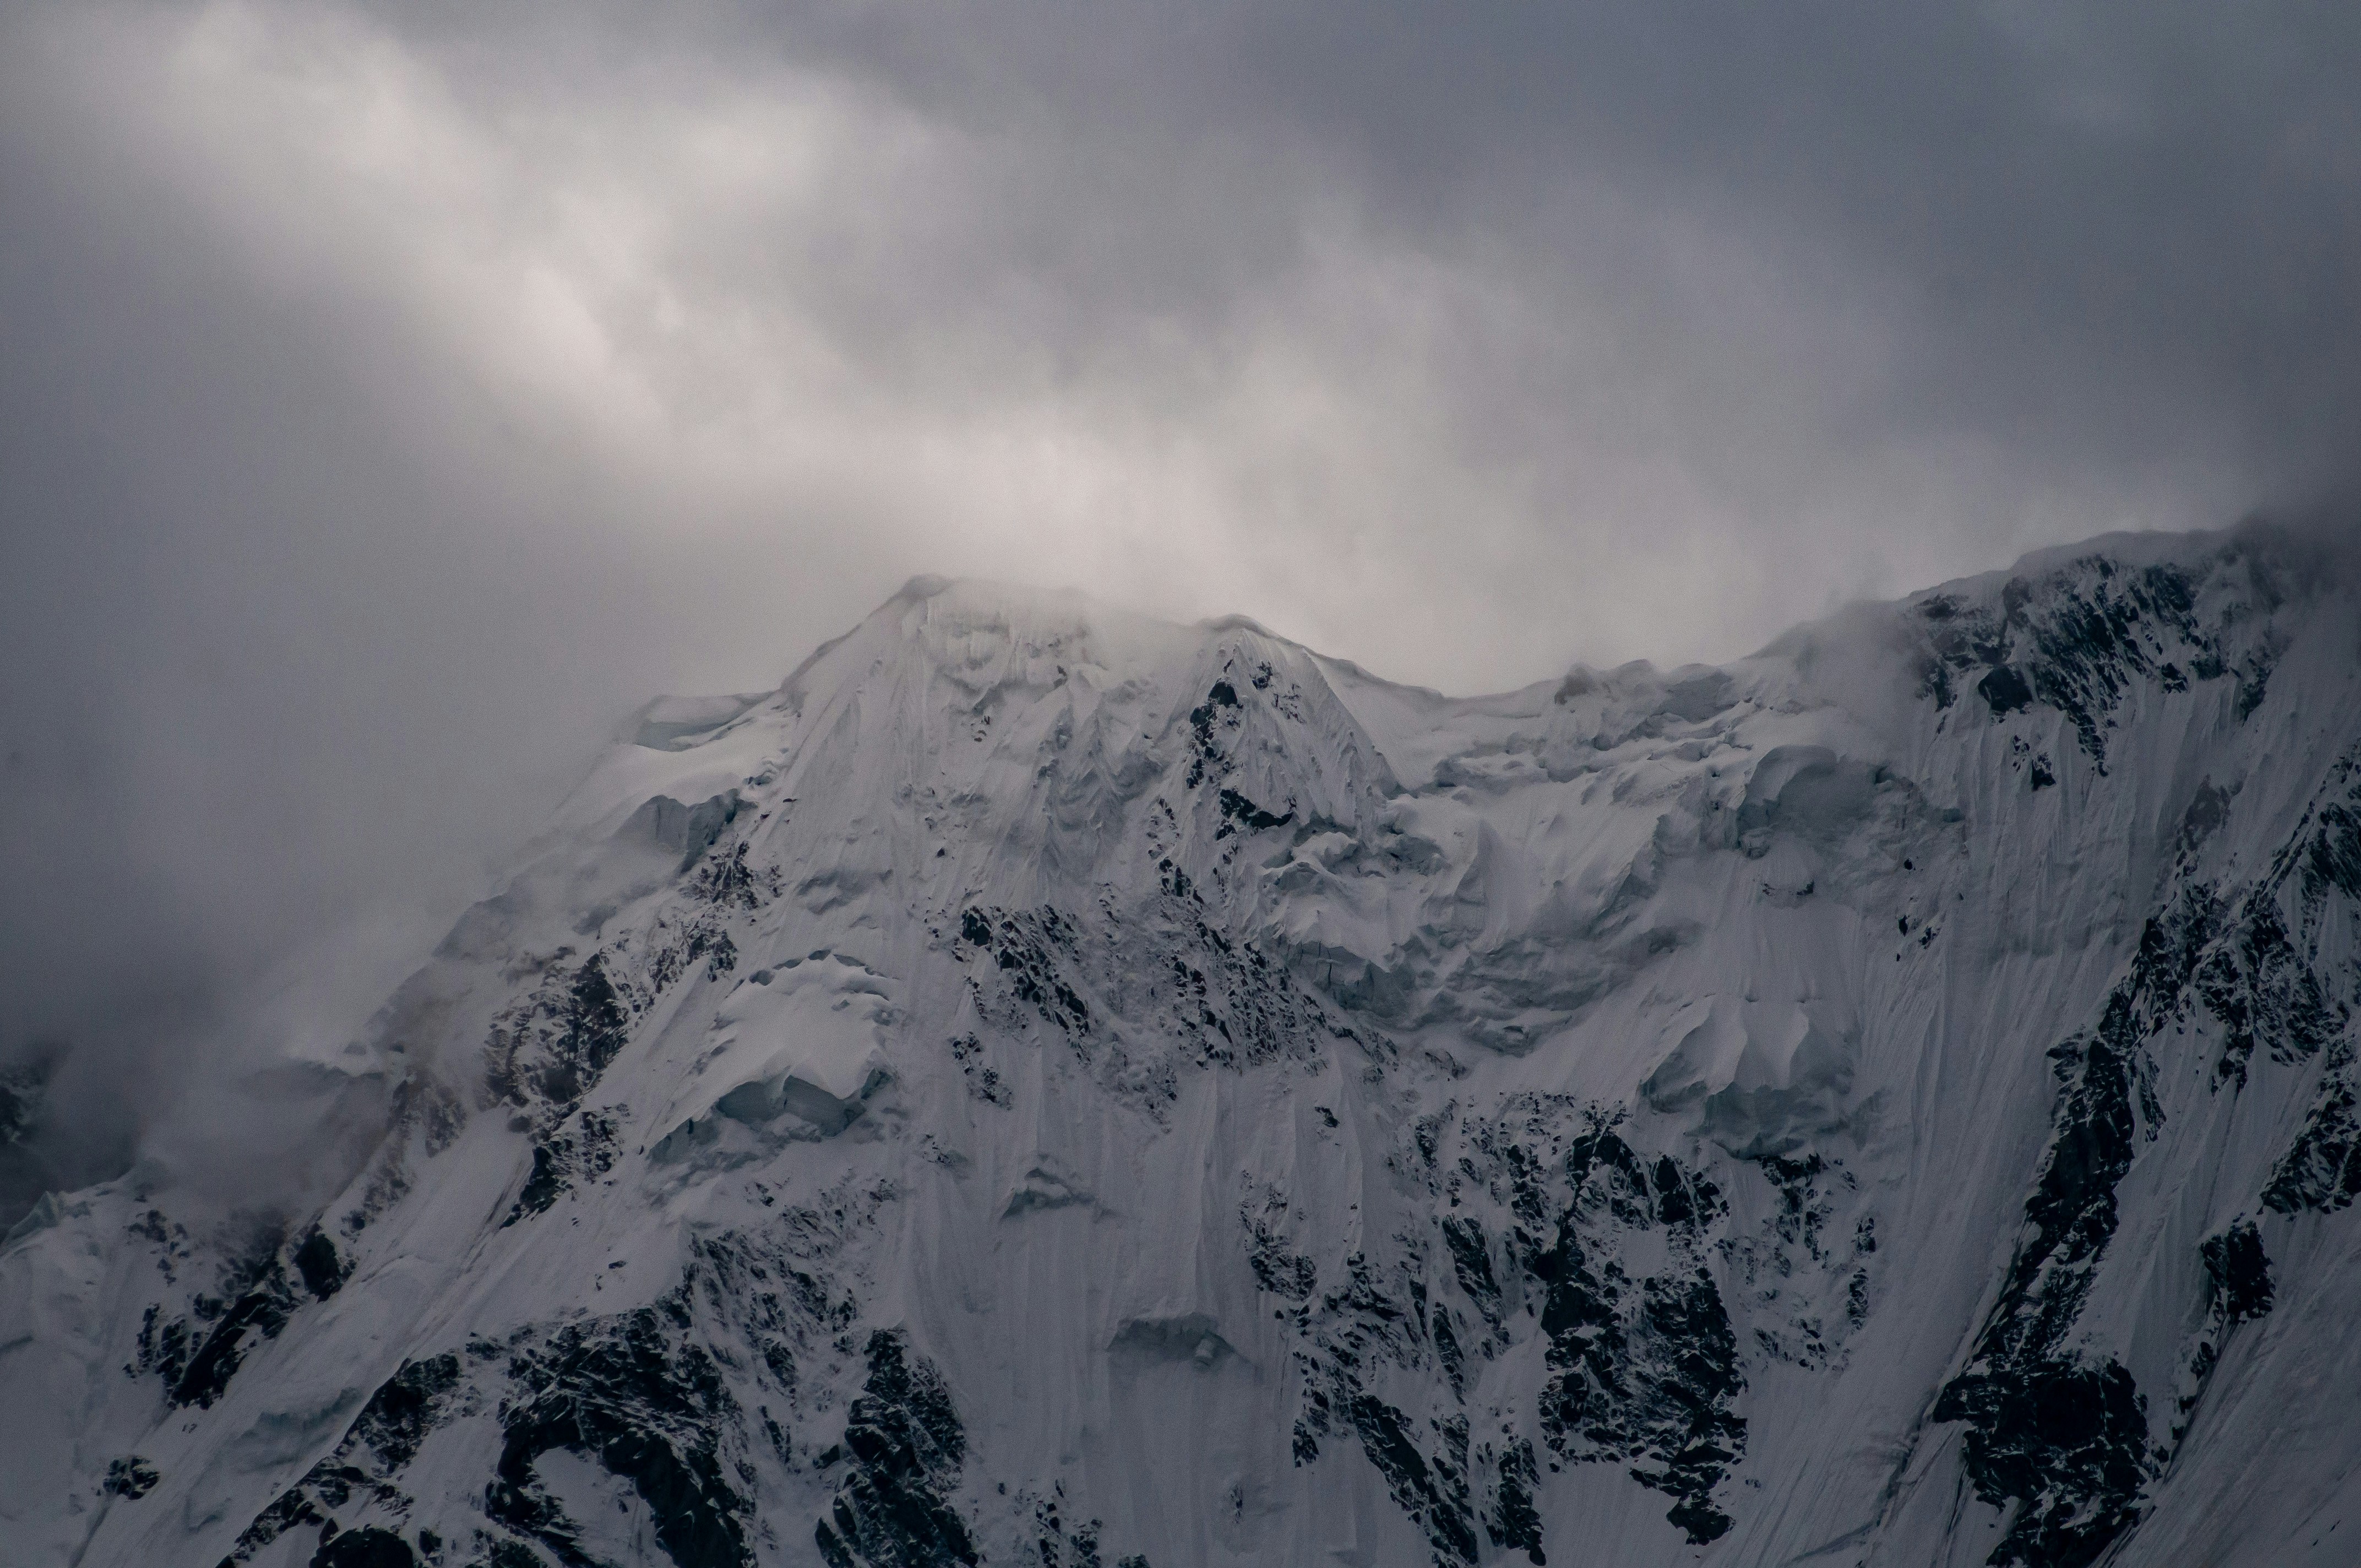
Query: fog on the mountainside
{"type": "Point", "coordinates": [391, 399]}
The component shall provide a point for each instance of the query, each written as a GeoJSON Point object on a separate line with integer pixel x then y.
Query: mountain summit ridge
{"type": "Point", "coordinates": [1045, 1084]}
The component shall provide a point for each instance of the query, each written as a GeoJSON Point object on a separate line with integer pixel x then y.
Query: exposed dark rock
{"type": "Point", "coordinates": [2237, 1290]}
{"type": "Point", "coordinates": [130, 1476]}
{"type": "Point", "coordinates": [1785, 1270]}
{"type": "Point", "coordinates": [1204, 719]}
{"type": "Point", "coordinates": [1287, 1274]}
{"type": "Point", "coordinates": [557, 1042]}
{"type": "Point", "coordinates": [584, 1151]}
{"type": "Point", "coordinates": [403, 1409]}
{"type": "Point", "coordinates": [2077, 640]}
{"type": "Point", "coordinates": [256, 1315]}
{"type": "Point", "coordinates": [510, 1555]}
{"type": "Point", "coordinates": [983, 1080]}
{"type": "Point", "coordinates": [702, 938]}
{"type": "Point", "coordinates": [376, 1448]}
{"type": "Point", "coordinates": [2334, 860]}
{"type": "Point", "coordinates": [731, 881]}
{"type": "Point", "coordinates": [636, 1396]}
{"type": "Point", "coordinates": [1057, 1544]}
{"type": "Point", "coordinates": [321, 1271]}
{"type": "Point", "coordinates": [2068, 1442]}
{"type": "Point", "coordinates": [1510, 1520]}
{"type": "Point", "coordinates": [1643, 1371]}
{"type": "Point", "coordinates": [2239, 1272]}
{"type": "Point", "coordinates": [1238, 808]}
{"type": "Point", "coordinates": [1471, 1260]}
{"type": "Point", "coordinates": [2004, 690]}
{"type": "Point", "coordinates": [1221, 1002]}
{"type": "Point", "coordinates": [2263, 991]}
{"type": "Point", "coordinates": [2278, 995]}
{"type": "Point", "coordinates": [2322, 1169]}
{"type": "Point", "coordinates": [1032, 947]}
{"type": "Point", "coordinates": [1432, 1489]}
{"type": "Point", "coordinates": [1344, 1335]}
{"type": "Point", "coordinates": [367, 1547]}
{"type": "Point", "coordinates": [907, 1448]}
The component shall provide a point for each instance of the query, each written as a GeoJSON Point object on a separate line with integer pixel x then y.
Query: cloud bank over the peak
{"type": "Point", "coordinates": [391, 396]}
{"type": "Point", "coordinates": [1644, 327]}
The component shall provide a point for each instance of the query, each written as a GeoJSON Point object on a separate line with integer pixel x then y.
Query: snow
{"type": "Point", "coordinates": [671, 723]}
{"type": "Point", "coordinates": [1133, 1023]}
{"type": "Point", "coordinates": [807, 1040]}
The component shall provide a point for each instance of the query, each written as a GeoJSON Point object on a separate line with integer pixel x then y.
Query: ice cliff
{"type": "Point", "coordinates": [1047, 1087]}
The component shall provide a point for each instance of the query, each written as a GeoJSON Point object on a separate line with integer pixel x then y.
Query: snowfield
{"type": "Point", "coordinates": [1048, 1087]}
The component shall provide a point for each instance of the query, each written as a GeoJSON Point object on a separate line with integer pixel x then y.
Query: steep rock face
{"type": "Point", "coordinates": [1048, 1087]}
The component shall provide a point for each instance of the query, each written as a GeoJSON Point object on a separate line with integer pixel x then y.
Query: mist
{"type": "Point", "coordinates": [393, 398]}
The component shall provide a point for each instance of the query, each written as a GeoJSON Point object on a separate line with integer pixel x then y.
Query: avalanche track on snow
{"type": "Point", "coordinates": [1048, 1087]}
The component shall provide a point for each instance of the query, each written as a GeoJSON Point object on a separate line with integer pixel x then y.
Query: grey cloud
{"type": "Point", "coordinates": [1911, 289]}
{"type": "Point", "coordinates": [2169, 189]}
{"type": "Point", "coordinates": [391, 396]}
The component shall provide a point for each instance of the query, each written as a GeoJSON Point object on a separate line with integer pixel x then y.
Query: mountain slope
{"type": "Point", "coordinates": [1048, 1086]}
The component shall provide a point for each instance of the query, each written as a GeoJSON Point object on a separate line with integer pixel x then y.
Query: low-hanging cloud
{"type": "Point", "coordinates": [389, 397]}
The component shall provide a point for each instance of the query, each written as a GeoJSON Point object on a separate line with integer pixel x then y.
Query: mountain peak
{"type": "Point", "coordinates": [1045, 1084]}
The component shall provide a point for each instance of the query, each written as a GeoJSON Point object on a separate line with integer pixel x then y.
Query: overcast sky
{"type": "Point", "coordinates": [391, 396]}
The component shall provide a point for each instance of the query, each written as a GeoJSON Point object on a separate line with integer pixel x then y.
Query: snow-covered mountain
{"type": "Point", "coordinates": [1048, 1087]}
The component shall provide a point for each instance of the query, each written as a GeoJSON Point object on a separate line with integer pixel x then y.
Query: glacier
{"type": "Point", "coordinates": [1047, 1086]}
